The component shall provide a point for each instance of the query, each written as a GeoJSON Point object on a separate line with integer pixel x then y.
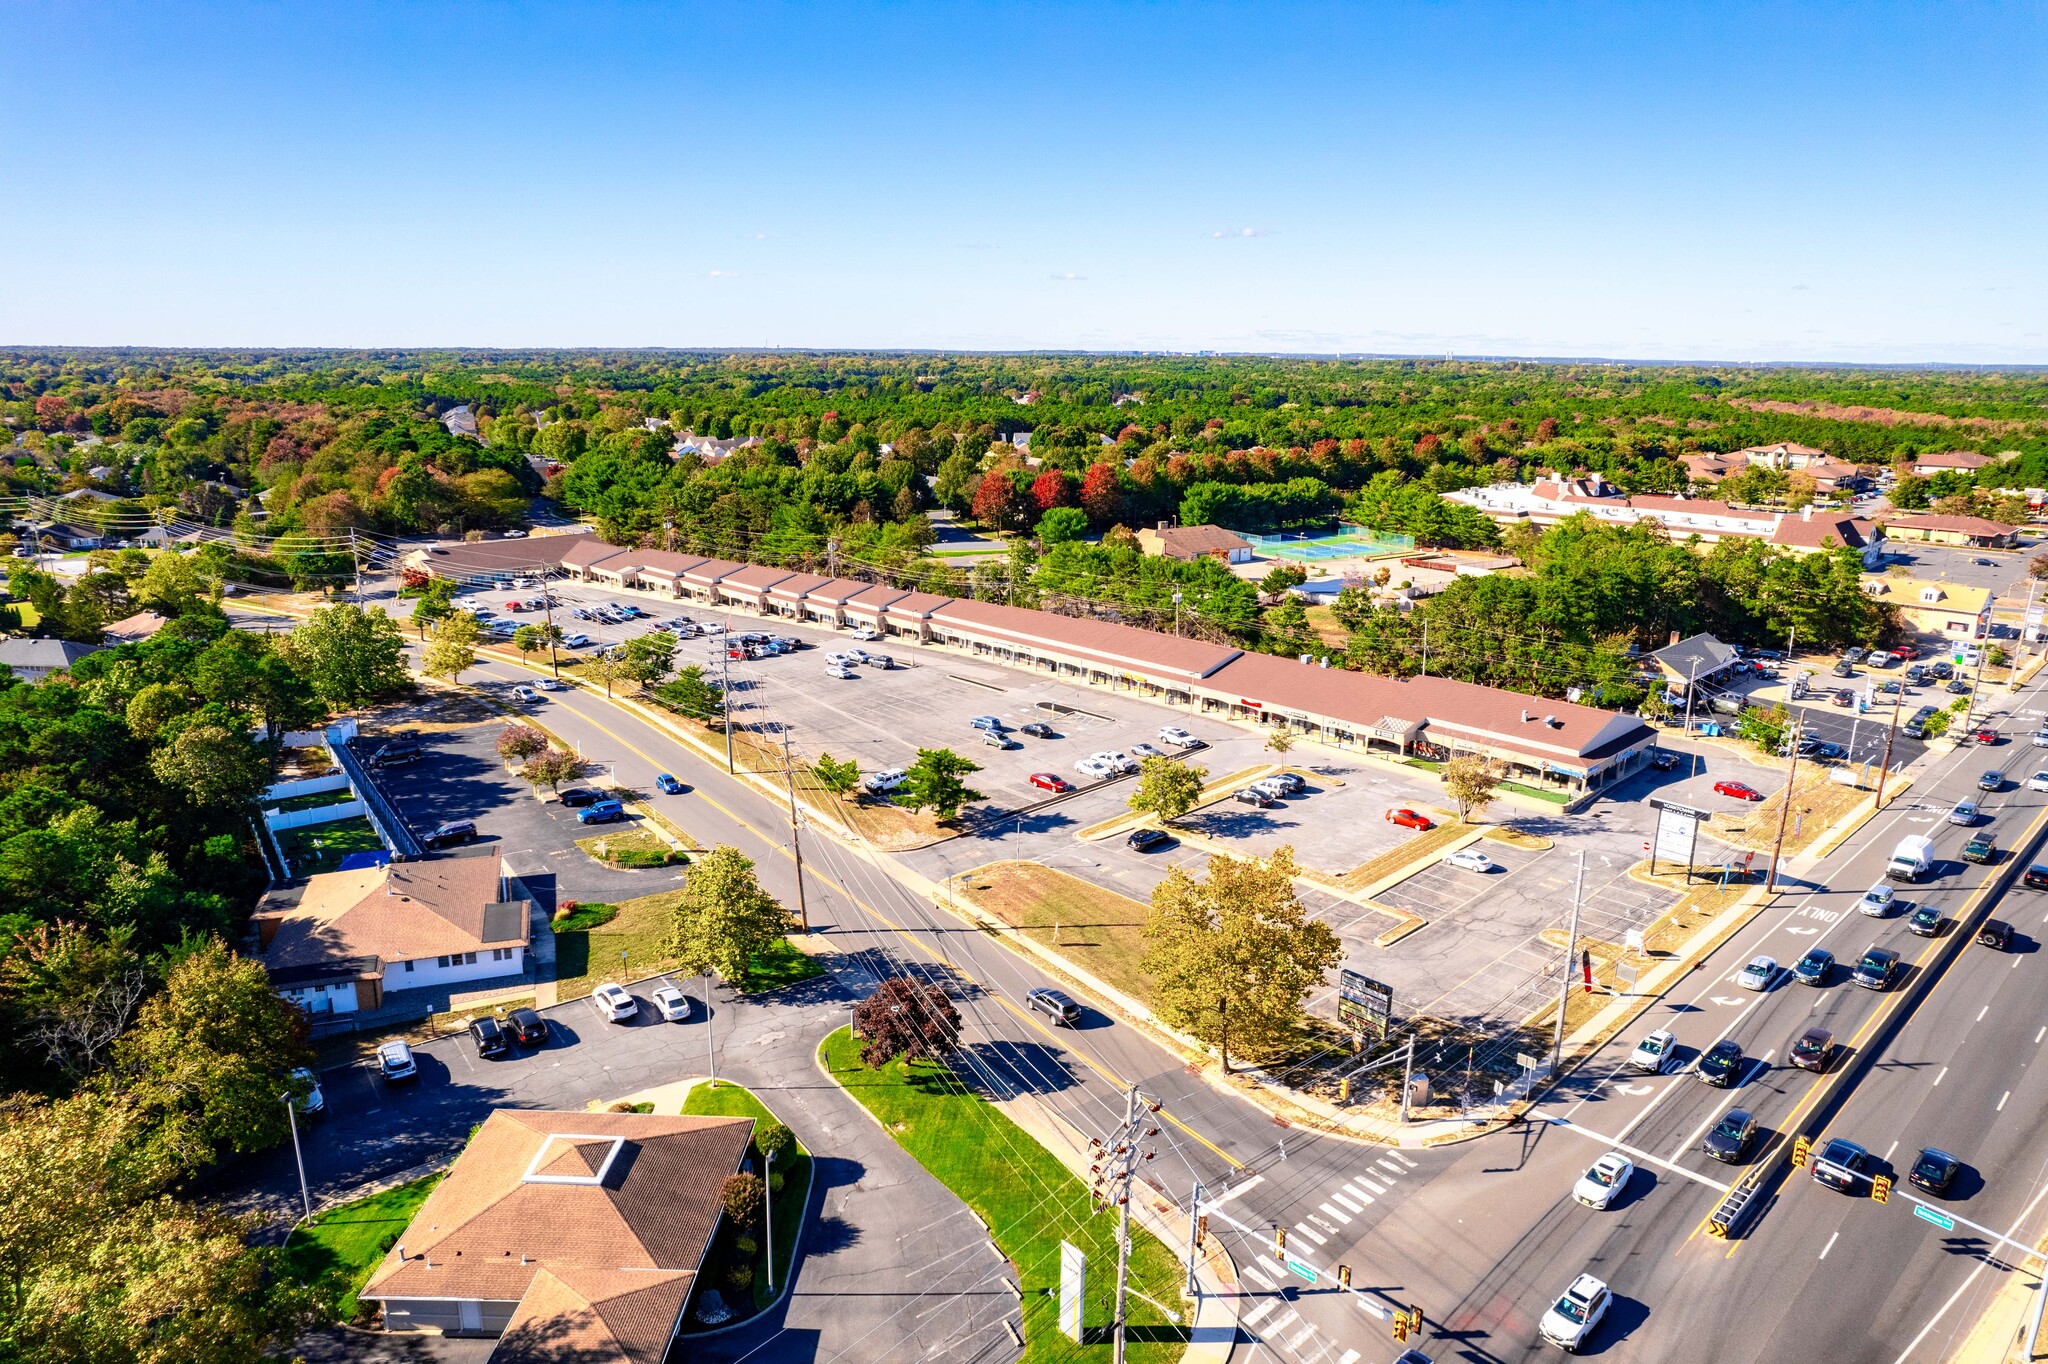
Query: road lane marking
{"type": "Point", "coordinates": [2039, 1035]}
{"type": "Point", "coordinates": [1330, 1211]}
{"type": "Point", "coordinates": [1261, 1312]}
{"type": "Point", "coordinates": [1362, 1182]}
{"type": "Point", "coordinates": [1981, 1012]}
{"type": "Point", "coordinates": [1829, 1246]}
{"type": "Point", "coordinates": [1939, 1078]}
{"type": "Point", "coordinates": [1348, 1201]}
{"type": "Point", "coordinates": [1538, 1115]}
{"type": "Point", "coordinates": [2001, 1101]}
{"type": "Point", "coordinates": [1964, 1286]}
{"type": "Point", "coordinates": [1311, 1233]}
{"type": "Point", "coordinates": [1235, 1190]}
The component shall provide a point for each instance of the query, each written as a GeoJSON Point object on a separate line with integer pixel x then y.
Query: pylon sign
{"type": "Point", "coordinates": [1073, 1289]}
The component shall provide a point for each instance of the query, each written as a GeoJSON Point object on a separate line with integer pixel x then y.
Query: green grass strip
{"type": "Point", "coordinates": [787, 1208]}
{"type": "Point", "coordinates": [1028, 1200]}
{"type": "Point", "coordinates": [337, 1251]}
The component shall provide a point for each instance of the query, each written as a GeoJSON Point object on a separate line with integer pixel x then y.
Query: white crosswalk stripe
{"type": "Point", "coordinates": [1310, 1232]}
{"type": "Point", "coordinates": [1361, 1182]}
{"type": "Point", "coordinates": [1258, 1274]}
{"type": "Point", "coordinates": [1330, 1210]}
{"type": "Point", "coordinates": [1308, 1330]}
{"type": "Point", "coordinates": [1348, 1201]}
{"type": "Point", "coordinates": [1348, 1357]}
{"type": "Point", "coordinates": [1260, 1313]}
{"type": "Point", "coordinates": [1411, 1164]}
{"type": "Point", "coordinates": [1391, 1168]}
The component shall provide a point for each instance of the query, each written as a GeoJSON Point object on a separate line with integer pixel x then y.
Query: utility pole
{"type": "Point", "coordinates": [796, 844]}
{"type": "Point", "coordinates": [832, 557]}
{"type": "Point", "coordinates": [355, 563]}
{"type": "Point", "coordinates": [1692, 758]}
{"type": "Point", "coordinates": [710, 1045]}
{"type": "Point", "coordinates": [725, 687]}
{"type": "Point", "coordinates": [547, 602]}
{"type": "Point", "coordinates": [1976, 681]}
{"type": "Point", "coordinates": [1785, 814]}
{"type": "Point", "coordinates": [1564, 988]}
{"type": "Point", "coordinates": [1176, 613]}
{"type": "Point", "coordinates": [1114, 1167]}
{"type": "Point", "coordinates": [1408, 1061]}
{"type": "Point", "coordinates": [1425, 647]}
{"type": "Point", "coordinates": [1884, 767]}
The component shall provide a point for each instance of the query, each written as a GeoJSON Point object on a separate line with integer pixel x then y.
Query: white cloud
{"type": "Point", "coordinates": [721, 274]}
{"type": "Point", "coordinates": [1069, 276]}
{"type": "Point", "coordinates": [1244, 232]}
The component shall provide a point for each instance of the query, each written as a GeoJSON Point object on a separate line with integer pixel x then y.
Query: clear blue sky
{"type": "Point", "coordinates": [1726, 181]}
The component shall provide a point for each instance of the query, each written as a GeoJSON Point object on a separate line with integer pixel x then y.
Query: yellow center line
{"type": "Point", "coordinates": [907, 936]}
{"type": "Point", "coordinates": [1885, 1010]}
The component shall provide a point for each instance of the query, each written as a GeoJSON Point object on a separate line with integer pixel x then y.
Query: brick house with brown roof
{"type": "Point", "coordinates": [569, 1236]}
{"type": "Point", "coordinates": [1949, 461]}
{"type": "Point", "coordinates": [342, 940]}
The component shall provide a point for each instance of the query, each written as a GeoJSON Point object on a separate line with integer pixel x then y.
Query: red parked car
{"type": "Point", "coordinates": [1046, 781]}
{"type": "Point", "coordinates": [1906, 653]}
{"type": "Point", "coordinates": [1985, 736]}
{"type": "Point", "coordinates": [1738, 790]}
{"type": "Point", "coordinates": [1408, 819]}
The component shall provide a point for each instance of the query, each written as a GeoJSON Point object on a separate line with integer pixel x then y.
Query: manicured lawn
{"type": "Point", "coordinates": [314, 799]}
{"type": "Point", "coordinates": [786, 1208]}
{"type": "Point", "coordinates": [337, 1250]}
{"type": "Point", "coordinates": [1028, 1199]}
{"type": "Point", "coordinates": [631, 847]}
{"type": "Point", "coordinates": [586, 957]}
{"type": "Point", "coordinates": [320, 847]}
{"type": "Point", "coordinates": [1100, 931]}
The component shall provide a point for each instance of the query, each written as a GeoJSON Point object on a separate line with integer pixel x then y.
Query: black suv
{"type": "Point", "coordinates": [1995, 934]}
{"type": "Point", "coordinates": [528, 1027]}
{"type": "Point", "coordinates": [453, 832]}
{"type": "Point", "coordinates": [1721, 1064]}
{"type": "Point", "coordinates": [490, 1037]}
{"type": "Point", "coordinates": [1934, 1171]}
{"type": "Point", "coordinates": [1729, 1140]}
{"type": "Point", "coordinates": [1840, 1164]}
{"type": "Point", "coordinates": [1877, 968]}
{"type": "Point", "coordinates": [1144, 840]}
{"type": "Point", "coordinates": [2036, 877]}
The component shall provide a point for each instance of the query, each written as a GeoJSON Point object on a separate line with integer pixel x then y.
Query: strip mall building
{"type": "Point", "coordinates": [1575, 747]}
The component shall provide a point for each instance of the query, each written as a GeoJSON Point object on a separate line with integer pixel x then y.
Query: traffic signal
{"type": "Point", "coordinates": [1400, 1326]}
{"type": "Point", "coordinates": [1799, 1149]}
{"type": "Point", "coordinates": [1202, 1230]}
{"type": "Point", "coordinates": [1279, 1243]}
{"type": "Point", "coordinates": [1881, 1189]}
{"type": "Point", "coordinates": [1344, 1276]}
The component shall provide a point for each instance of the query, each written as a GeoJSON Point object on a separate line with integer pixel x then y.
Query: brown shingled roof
{"type": "Point", "coordinates": [606, 1263]}
{"type": "Point", "coordinates": [1117, 646]}
{"type": "Point", "coordinates": [427, 907]}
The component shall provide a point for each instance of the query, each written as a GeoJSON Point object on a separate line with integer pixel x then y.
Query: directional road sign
{"type": "Point", "coordinates": [1301, 1270]}
{"type": "Point", "coordinates": [1940, 1219]}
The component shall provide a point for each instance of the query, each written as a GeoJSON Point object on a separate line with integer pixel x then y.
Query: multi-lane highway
{"type": "Point", "coordinates": [1481, 1236]}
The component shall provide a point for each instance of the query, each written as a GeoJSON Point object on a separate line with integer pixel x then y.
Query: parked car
{"type": "Point", "coordinates": [987, 722]}
{"type": "Point", "coordinates": [1728, 1140]}
{"type": "Point", "coordinates": [1179, 738]}
{"type": "Point", "coordinates": [865, 633]}
{"type": "Point", "coordinates": [527, 1027]}
{"type": "Point", "coordinates": [578, 640]}
{"type": "Point", "coordinates": [1957, 688]}
{"type": "Point", "coordinates": [613, 1003]}
{"type": "Point", "coordinates": [672, 1004]}
{"type": "Point", "coordinates": [395, 1063]}
{"type": "Point", "coordinates": [576, 796]}
{"type": "Point", "coordinates": [1663, 760]}
{"type": "Point", "coordinates": [312, 1103]}
{"type": "Point", "coordinates": [841, 672]}
{"type": "Point", "coordinates": [1738, 790]}
{"type": "Point", "coordinates": [668, 785]}
{"type": "Point", "coordinates": [1053, 1004]}
{"type": "Point", "coordinates": [1408, 819]}
{"type": "Point", "coordinates": [1469, 859]}
{"type": "Point", "coordinates": [1038, 729]}
{"type": "Point", "coordinates": [1094, 769]}
{"type": "Point", "coordinates": [1142, 751]}
{"type": "Point", "coordinates": [1815, 967]}
{"type": "Point", "coordinates": [1604, 1179]}
{"type": "Point", "coordinates": [1145, 840]}
{"type": "Point", "coordinates": [996, 739]}
{"type": "Point", "coordinates": [1047, 781]}
{"type": "Point", "coordinates": [1814, 1049]}
{"type": "Point", "coordinates": [490, 1037]}
{"type": "Point", "coordinates": [602, 812]}
{"type": "Point", "coordinates": [1122, 762]}
{"type": "Point", "coordinates": [451, 833]}
{"type": "Point", "coordinates": [1996, 934]}
{"type": "Point", "coordinates": [1934, 1170]}
{"type": "Point", "coordinates": [1250, 795]}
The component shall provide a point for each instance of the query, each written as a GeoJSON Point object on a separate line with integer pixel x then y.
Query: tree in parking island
{"type": "Point", "coordinates": [521, 742]}
{"type": "Point", "coordinates": [913, 1019]}
{"type": "Point", "coordinates": [1235, 956]}
{"type": "Point", "coordinates": [551, 767]}
{"type": "Point", "coordinates": [648, 658]}
{"type": "Point", "coordinates": [723, 918]}
{"type": "Point", "coordinates": [451, 649]}
{"type": "Point", "coordinates": [933, 782]}
{"type": "Point", "coordinates": [1472, 782]}
{"type": "Point", "coordinates": [1167, 789]}
{"type": "Point", "coordinates": [838, 777]}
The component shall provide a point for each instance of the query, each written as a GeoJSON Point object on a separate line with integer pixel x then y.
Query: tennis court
{"type": "Point", "coordinates": [1348, 542]}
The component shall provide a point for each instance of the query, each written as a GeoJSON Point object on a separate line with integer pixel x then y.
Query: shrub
{"type": "Point", "coordinates": [741, 1277]}
{"type": "Point", "coordinates": [746, 1245]}
{"type": "Point", "coordinates": [741, 1197]}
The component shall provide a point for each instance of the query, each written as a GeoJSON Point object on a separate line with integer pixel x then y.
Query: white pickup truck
{"type": "Point", "coordinates": [1912, 859]}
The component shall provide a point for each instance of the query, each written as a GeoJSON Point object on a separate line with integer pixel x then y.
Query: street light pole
{"type": "Point", "coordinates": [710, 1029]}
{"type": "Point", "coordinates": [292, 1116]}
{"type": "Point", "coordinates": [1564, 988]}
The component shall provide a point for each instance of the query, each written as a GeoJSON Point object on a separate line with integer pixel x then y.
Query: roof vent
{"type": "Point", "coordinates": [401, 1250]}
{"type": "Point", "coordinates": [1323, 662]}
{"type": "Point", "coordinates": [1550, 720]}
{"type": "Point", "coordinates": [1304, 657]}
{"type": "Point", "coordinates": [1525, 716]}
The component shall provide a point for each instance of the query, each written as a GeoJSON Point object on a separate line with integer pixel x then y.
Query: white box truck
{"type": "Point", "coordinates": [1912, 859]}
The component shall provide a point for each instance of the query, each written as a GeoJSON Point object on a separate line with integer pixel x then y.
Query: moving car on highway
{"type": "Point", "coordinates": [1607, 1177]}
{"type": "Point", "coordinates": [1721, 1064]}
{"type": "Point", "coordinates": [1815, 967]}
{"type": "Point", "coordinates": [1728, 1140]}
{"type": "Point", "coordinates": [1572, 1319]}
{"type": "Point", "coordinates": [1655, 1053]}
{"type": "Point", "coordinates": [1814, 1049]}
{"type": "Point", "coordinates": [1840, 1164]}
{"type": "Point", "coordinates": [1759, 974]}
